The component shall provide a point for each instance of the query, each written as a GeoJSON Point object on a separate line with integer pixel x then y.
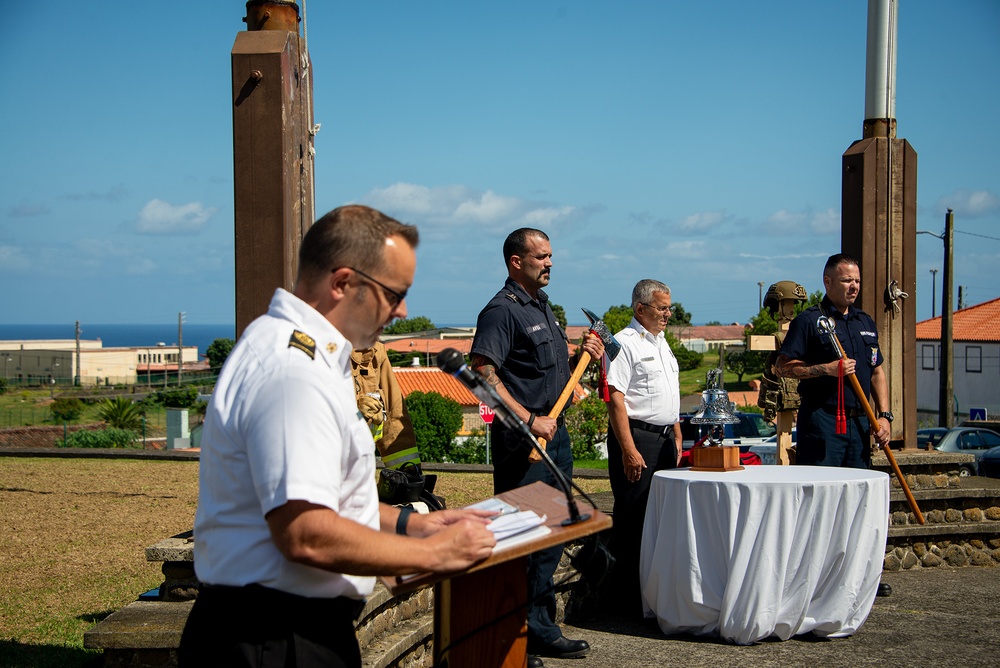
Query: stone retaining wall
{"type": "Point", "coordinates": [974, 552]}
{"type": "Point", "coordinates": [39, 437]}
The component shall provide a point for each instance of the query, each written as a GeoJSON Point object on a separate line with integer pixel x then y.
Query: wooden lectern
{"type": "Point", "coordinates": [480, 614]}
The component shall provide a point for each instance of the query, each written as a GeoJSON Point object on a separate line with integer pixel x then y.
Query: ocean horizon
{"type": "Point", "coordinates": [119, 335]}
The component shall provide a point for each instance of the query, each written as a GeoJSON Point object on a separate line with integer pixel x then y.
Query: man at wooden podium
{"type": "Point", "coordinates": [289, 533]}
{"type": "Point", "coordinates": [520, 350]}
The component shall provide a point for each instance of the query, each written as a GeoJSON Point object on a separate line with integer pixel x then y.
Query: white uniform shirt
{"type": "Point", "coordinates": [646, 372]}
{"type": "Point", "coordinates": [283, 424]}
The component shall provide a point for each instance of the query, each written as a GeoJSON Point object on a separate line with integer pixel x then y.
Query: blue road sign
{"type": "Point", "coordinates": [977, 413]}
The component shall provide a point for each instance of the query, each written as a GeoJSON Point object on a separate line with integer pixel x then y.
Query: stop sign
{"type": "Point", "coordinates": [486, 413]}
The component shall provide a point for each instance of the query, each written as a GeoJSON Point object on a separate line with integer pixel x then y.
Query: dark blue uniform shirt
{"type": "Point", "coordinates": [859, 338]}
{"type": "Point", "coordinates": [522, 338]}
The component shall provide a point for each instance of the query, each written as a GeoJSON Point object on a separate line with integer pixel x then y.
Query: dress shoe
{"type": "Point", "coordinates": [562, 648]}
{"type": "Point", "coordinates": [535, 662]}
{"type": "Point", "coordinates": [884, 589]}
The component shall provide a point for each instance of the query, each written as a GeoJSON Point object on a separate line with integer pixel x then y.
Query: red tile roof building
{"type": "Point", "coordinates": [975, 364]}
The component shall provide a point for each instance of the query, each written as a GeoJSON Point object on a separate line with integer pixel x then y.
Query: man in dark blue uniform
{"type": "Point", "coordinates": [810, 356]}
{"type": "Point", "coordinates": [521, 351]}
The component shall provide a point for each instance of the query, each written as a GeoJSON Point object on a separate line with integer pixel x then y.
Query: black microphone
{"type": "Point", "coordinates": [451, 361]}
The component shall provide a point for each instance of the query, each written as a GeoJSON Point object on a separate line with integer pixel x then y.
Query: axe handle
{"type": "Point", "coordinates": [873, 420]}
{"type": "Point", "coordinates": [567, 392]}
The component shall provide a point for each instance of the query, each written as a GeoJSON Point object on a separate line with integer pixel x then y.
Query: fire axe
{"type": "Point", "coordinates": [611, 349]}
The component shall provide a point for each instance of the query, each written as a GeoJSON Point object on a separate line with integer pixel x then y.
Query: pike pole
{"type": "Point", "coordinates": [828, 327]}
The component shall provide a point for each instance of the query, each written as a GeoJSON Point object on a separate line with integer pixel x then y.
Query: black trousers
{"type": "Point", "coordinates": [511, 469]}
{"type": "Point", "coordinates": [659, 451]}
{"type": "Point", "coordinates": [259, 627]}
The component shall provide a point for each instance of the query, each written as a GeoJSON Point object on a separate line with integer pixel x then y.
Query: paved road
{"type": "Point", "coordinates": [935, 617]}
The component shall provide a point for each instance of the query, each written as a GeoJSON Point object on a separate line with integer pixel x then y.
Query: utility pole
{"type": "Point", "coordinates": [76, 376]}
{"type": "Point", "coordinates": [961, 297]}
{"type": "Point", "coordinates": [934, 293]}
{"type": "Point", "coordinates": [946, 393]}
{"type": "Point", "coordinates": [760, 295]}
{"type": "Point", "coordinates": [180, 348]}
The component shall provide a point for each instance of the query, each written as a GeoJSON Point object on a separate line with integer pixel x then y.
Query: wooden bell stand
{"type": "Point", "coordinates": [719, 458]}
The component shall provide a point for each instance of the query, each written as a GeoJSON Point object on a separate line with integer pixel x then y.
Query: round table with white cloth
{"type": "Point", "coordinates": [766, 551]}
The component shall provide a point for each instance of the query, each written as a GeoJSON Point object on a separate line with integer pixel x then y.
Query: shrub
{"type": "Point", "coordinates": [587, 424]}
{"type": "Point", "coordinates": [470, 450]}
{"type": "Point", "coordinates": [218, 351]}
{"type": "Point", "coordinates": [121, 413]}
{"type": "Point", "coordinates": [436, 421]}
{"type": "Point", "coordinates": [102, 438]}
{"type": "Point", "coordinates": [177, 397]}
{"type": "Point", "coordinates": [3, 385]}
{"type": "Point", "coordinates": [66, 409]}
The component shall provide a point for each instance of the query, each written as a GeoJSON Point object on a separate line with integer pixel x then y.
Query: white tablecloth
{"type": "Point", "coordinates": [766, 551]}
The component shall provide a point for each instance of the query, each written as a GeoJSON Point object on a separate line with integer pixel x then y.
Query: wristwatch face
{"type": "Point", "coordinates": [887, 415]}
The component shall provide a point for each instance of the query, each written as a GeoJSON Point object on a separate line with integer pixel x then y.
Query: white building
{"type": "Point", "coordinates": [54, 361]}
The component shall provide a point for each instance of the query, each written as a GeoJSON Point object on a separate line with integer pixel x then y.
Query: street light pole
{"type": "Point", "coordinates": [760, 295]}
{"type": "Point", "coordinates": [934, 293]}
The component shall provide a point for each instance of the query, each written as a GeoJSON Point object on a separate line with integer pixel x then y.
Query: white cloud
{"type": "Point", "coordinates": [701, 222]}
{"type": "Point", "coordinates": [98, 253]}
{"type": "Point", "coordinates": [159, 217]}
{"type": "Point", "coordinates": [784, 221]}
{"type": "Point", "coordinates": [969, 203]}
{"type": "Point", "coordinates": [12, 258]}
{"type": "Point", "coordinates": [115, 194]}
{"type": "Point", "coordinates": [825, 222]}
{"type": "Point", "coordinates": [459, 206]}
{"type": "Point", "coordinates": [28, 210]}
{"type": "Point", "coordinates": [688, 250]}
{"type": "Point", "coordinates": [783, 256]}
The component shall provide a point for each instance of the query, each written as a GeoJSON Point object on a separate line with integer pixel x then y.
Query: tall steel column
{"type": "Point", "coordinates": [879, 216]}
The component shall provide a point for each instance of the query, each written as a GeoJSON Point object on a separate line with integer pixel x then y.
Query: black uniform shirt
{"type": "Point", "coordinates": [522, 338]}
{"type": "Point", "coordinates": [859, 338]}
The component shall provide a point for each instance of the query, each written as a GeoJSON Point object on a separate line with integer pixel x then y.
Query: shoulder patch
{"type": "Point", "coordinates": [303, 342]}
{"type": "Point", "coordinates": [511, 296]}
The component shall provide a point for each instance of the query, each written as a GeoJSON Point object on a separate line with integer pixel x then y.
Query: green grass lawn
{"type": "Point", "coordinates": [693, 381]}
{"type": "Point", "coordinates": [75, 531]}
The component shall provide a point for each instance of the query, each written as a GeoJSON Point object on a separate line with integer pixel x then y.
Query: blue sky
{"type": "Point", "coordinates": [698, 143]}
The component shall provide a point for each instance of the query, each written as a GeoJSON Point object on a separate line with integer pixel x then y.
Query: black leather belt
{"type": "Point", "coordinates": [645, 426]}
{"type": "Point", "coordinates": [275, 599]}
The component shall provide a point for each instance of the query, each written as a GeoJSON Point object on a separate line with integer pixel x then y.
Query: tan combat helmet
{"type": "Point", "coordinates": [783, 290]}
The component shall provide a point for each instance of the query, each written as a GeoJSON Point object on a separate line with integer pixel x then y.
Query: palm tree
{"type": "Point", "coordinates": [121, 413]}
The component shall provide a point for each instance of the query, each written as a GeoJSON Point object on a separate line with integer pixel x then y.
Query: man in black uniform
{"type": "Point", "coordinates": [811, 357]}
{"type": "Point", "coordinates": [521, 351]}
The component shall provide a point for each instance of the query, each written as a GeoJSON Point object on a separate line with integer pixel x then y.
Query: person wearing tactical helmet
{"type": "Point", "coordinates": [780, 394]}
{"type": "Point", "coordinates": [832, 427]}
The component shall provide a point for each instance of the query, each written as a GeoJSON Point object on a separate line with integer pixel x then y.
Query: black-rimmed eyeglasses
{"type": "Point", "coordinates": [660, 309]}
{"type": "Point", "coordinates": [394, 298]}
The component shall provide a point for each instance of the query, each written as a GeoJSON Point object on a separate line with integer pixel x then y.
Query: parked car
{"type": "Point", "coordinates": [989, 463]}
{"type": "Point", "coordinates": [767, 450]}
{"type": "Point", "coordinates": [930, 437]}
{"type": "Point", "coordinates": [750, 430]}
{"type": "Point", "coordinates": [969, 441]}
